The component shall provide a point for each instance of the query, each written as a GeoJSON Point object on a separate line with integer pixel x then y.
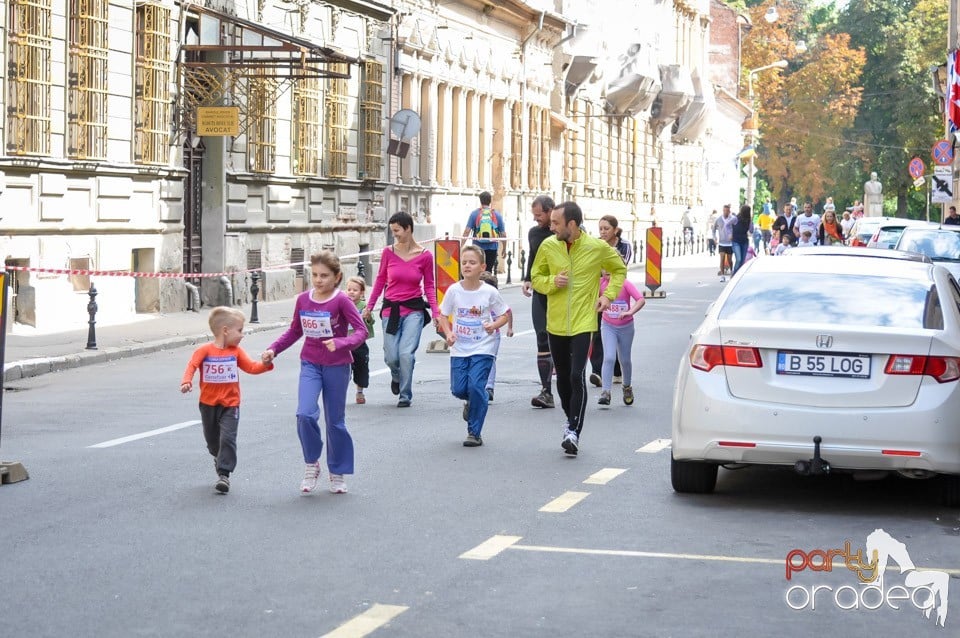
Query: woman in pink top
{"type": "Point", "coordinates": [616, 332]}
{"type": "Point", "coordinates": [405, 276]}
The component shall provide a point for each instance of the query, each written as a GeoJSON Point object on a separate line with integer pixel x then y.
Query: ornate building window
{"type": "Point", "coordinates": [516, 147]}
{"type": "Point", "coordinates": [153, 76]}
{"type": "Point", "coordinates": [306, 126]}
{"type": "Point", "coordinates": [338, 132]}
{"type": "Point", "coordinates": [371, 117]}
{"type": "Point", "coordinates": [533, 165]}
{"type": "Point", "coordinates": [87, 80]}
{"type": "Point", "coordinates": [262, 125]}
{"type": "Point", "coordinates": [544, 150]}
{"type": "Point", "coordinates": [29, 45]}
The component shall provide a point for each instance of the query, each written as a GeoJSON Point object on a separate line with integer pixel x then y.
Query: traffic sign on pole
{"type": "Point", "coordinates": [942, 153]}
{"type": "Point", "coordinates": [916, 168]}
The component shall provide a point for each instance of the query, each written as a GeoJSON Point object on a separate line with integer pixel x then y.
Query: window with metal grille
{"type": "Point", "coordinates": [371, 117]}
{"type": "Point", "coordinates": [29, 45]}
{"type": "Point", "coordinates": [516, 149]}
{"type": "Point", "coordinates": [262, 124]}
{"type": "Point", "coordinates": [153, 76]}
{"type": "Point", "coordinates": [87, 80]}
{"type": "Point", "coordinates": [297, 259]}
{"type": "Point", "coordinates": [306, 126]}
{"type": "Point", "coordinates": [533, 164]}
{"type": "Point", "coordinates": [338, 131]}
{"type": "Point", "coordinates": [544, 150]}
{"type": "Point", "coordinates": [254, 259]}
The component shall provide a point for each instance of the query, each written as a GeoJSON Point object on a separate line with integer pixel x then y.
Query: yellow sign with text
{"type": "Point", "coordinates": [218, 120]}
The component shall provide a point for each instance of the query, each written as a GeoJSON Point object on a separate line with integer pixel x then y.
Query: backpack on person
{"type": "Point", "coordinates": [486, 227]}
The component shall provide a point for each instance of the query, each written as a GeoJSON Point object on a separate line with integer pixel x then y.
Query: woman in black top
{"type": "Point", "coordinates": [742, 231]}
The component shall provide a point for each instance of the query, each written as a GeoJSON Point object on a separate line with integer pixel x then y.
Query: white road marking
{"type": "Point", "coordinates": [523, 333]}
{"type": "Point", "coordinates": [490, 547]}
{"type": "Point", "coordinates": [564, 502]}
{"type": "Point", "coordinates": [367, 622]}
{"type": "Point", "coordinates": [837, 561]}
{"type": "Point", "coordinates": [377, 373]}
{"type": "Point", "coordinates": [144, 435]}
{"type": "Point", "coordinates": [655, 446]}
{"type": "Point", "coordinates": [604, 476]}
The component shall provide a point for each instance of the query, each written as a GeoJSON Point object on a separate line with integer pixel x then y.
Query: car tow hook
{"type": "Point", "coordinates": [815, 466]}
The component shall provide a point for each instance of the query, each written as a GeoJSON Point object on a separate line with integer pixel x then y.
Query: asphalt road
{"type": "Point", "coordinates": [129, 538]}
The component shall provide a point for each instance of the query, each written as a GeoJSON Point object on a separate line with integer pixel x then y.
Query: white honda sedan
{"type": "Point", "coordinates": [824, 361]}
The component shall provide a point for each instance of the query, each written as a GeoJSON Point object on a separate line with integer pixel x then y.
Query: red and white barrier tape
{"type": "Point", "coordinates": [206, 275]}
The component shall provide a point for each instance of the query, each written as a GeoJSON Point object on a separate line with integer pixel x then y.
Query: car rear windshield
{"type": "Point", "coordinates": [940, 245]}
{"type": "Point", "coordinates": [846, 300]}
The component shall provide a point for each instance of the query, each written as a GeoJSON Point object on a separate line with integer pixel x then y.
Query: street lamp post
{"type": "Point", "coordinates": [753, 131]}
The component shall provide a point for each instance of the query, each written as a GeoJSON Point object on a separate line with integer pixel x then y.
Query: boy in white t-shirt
{"type": "Point", "coordinates": [472, 337]}
{"type": "Point", "coordinates": [806, 239]}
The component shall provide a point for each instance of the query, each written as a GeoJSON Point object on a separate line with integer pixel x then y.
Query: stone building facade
{"type": "Point", "coordinates": [105, 162]}
{"type": "Point", "coordinates": [104, 168]}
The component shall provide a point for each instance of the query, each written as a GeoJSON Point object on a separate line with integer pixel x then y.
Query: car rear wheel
{"type": "Point", "coordinates": [695, 477]}
{"type": "Point", "coordinates": [950, 490]}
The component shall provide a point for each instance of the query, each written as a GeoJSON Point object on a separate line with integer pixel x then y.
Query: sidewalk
{"type": "Point", "coordinates": [30, 355]}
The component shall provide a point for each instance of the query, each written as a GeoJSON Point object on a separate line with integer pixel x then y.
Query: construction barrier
{"type": "Point", "coordinates": [446, 255]}
{"type": "Point", "coordinates": [654, 260]}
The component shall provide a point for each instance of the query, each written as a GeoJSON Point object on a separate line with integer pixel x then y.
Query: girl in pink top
{"type": "Point", "coordinates": [405, 276]}
{"type": "Point", "coordinates": [323, 316]}
{"type": "Point", "coordinates": [616, 333]}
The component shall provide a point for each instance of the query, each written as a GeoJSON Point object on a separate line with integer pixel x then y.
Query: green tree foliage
{"type": "Point", "coordinates": [859, 100]}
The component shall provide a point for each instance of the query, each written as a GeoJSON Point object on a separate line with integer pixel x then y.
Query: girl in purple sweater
{"type": "Point", "coordinates": [405, 277]}
{"type": "Point", "coordinates": [322, 316]}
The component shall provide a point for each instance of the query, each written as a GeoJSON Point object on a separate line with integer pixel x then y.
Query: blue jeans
{"type": "Point", "coordinates": [468, 380]}
{"type": "Point", "coordinates": [492, 379]}
{"type": "Point", "coordinates": [400, 351]}
{"type": "Point", "coordinates": [739, 255]}
{"type": "Point", "coordinates": [328, 383]}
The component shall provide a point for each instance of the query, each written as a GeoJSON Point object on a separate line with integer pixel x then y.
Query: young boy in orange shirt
{"type": "Point", "coordinates": [219, 362]}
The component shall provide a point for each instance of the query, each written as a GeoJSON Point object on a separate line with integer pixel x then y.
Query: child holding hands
{"type": "Point", "coordinates": [473, 306]}
{"type": "Point", "coordinates": [323, 316]}
{"type": "Point", "coordinates": [218, 363]}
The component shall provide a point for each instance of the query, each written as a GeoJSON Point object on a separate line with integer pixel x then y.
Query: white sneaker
{"type": "Point", "coordinates": [571, 443]}
{"type": "Point", "coordinates": [337, 484]}
{"type": "Point", "coordinates": [311, 474]}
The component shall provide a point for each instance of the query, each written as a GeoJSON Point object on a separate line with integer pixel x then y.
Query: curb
{"type": "Point", "coordinates": [27, 368]}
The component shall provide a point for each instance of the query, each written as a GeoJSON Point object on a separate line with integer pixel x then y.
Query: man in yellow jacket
{"type": "Point", "coordinates": [567, 270]}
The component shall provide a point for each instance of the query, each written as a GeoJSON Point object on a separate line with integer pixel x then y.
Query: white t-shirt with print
{"type": "Point", "coordinates": [811, 223]}
{"type": "Point", "coordinates": [469, 310]}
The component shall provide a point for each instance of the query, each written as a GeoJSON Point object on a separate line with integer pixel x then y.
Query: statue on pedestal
{"type": "Point", "coordinates": [872, 197]}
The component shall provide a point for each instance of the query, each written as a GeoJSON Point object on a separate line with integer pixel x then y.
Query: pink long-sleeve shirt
{"type": "Point", "coordinates": [320, 321]}
{"type": "Point", "coordinates": [399, 280]}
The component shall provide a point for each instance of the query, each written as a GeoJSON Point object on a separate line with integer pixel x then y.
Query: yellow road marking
{"type": "Point", "coordinates": [490, 547]}
{"type": "Point", "coordinates": [655, 446]}
{"type": "Point", "coordinates": [367, 622]}
{"type": "Point", "coordinates": [564, 502]}
{"type": "Point", "coordinates": [604, 476]}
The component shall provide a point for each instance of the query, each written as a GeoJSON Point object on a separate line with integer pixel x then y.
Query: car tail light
{"type": "Point", "coordinates": [875, 238]}
{"type": "Point", "coordinates": [707, 357]}
{"type": "Point", "coordinates": [943, 369]}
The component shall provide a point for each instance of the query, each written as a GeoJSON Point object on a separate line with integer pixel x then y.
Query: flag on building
{"type": "Point", "coordinates": [749, 152]}
{"type": "Point", "coordinates": [953, 92]}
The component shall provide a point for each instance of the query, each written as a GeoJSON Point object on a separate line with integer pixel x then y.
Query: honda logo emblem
{"type": "Point", "coordinates": [824, 341]}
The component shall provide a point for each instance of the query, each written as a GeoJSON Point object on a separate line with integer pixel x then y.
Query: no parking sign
{"type": "Point", "coordinates": [942, 153]}
{"type": "Point", "coordinates": [916, 168]}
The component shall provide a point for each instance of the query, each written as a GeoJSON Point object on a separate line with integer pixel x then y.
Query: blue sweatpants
{"type": "Point", "coordinates": [468, 380]}
{"type": "Point", "coordinates": [329, 384]}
